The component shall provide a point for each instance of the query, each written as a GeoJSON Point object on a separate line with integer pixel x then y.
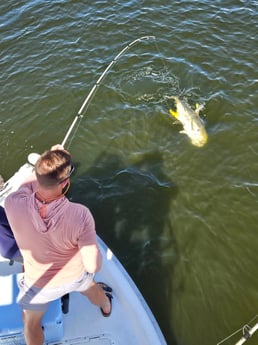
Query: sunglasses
{"type": "Point", "coordinates": [69, 174]}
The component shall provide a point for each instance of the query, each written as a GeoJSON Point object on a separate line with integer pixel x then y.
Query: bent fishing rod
{"type": "Point", "coordinates": [92, 92]}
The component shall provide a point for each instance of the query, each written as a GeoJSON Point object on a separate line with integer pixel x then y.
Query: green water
{"type": "Point", "coordinates": [181, 219]}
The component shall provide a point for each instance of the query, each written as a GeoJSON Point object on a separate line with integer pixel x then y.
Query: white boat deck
{"type": "Point", "coordinates": [131, 321]}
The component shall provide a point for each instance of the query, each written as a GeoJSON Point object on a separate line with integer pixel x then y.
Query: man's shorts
{"type": "Point", "coordinates": [33, 298]}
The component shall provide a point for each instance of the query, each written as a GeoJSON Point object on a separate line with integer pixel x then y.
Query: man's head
{"type": "Point", "coordinates": [53, 167]}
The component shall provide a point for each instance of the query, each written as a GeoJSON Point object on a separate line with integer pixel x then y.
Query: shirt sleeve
{"type": "Point", "coordinates": [87, 243]}
{"type": "Point", "coordinates": [29, 185]}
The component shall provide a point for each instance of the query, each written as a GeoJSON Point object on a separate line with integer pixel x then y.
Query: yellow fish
{"type": "Point", "coordinates": [191, 121]}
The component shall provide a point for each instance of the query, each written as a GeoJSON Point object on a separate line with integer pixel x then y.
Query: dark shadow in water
{"type": "Point", "coordinates": [131, 207]}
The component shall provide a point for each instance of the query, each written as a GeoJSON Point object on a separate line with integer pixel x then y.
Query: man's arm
{"type": "Point", "coordinates": [92, 258]}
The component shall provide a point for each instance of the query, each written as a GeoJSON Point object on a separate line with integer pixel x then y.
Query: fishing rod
{"type": "Point", "coordinates": [247, 330]}
{"type": "Point", "coordinates": [92, 92]}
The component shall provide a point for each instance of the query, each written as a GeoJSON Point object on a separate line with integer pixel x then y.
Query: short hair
{"type": "Point", "coordinates": [52, 167]}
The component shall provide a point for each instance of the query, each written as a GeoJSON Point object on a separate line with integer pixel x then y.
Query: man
{"type": "Point", "coordinates": [57, 240]}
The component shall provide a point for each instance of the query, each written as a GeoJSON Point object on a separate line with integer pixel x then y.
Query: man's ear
{"type": "Point", "coordinates": [65, 185]}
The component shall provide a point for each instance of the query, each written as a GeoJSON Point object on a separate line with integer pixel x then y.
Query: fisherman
{"type": "Point", "coordinates": [57, 240]}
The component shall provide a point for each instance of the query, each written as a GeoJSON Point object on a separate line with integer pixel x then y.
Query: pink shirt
{"type": "Point", "coordinates": [57, 249]}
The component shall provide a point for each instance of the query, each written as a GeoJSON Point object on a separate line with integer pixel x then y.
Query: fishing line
{"type": "Point", "coordinates": [167, 72]}
{"type": "Point", "coordinates": [173, 81]}
{"type": "Point", "coordinates": [88, 99]}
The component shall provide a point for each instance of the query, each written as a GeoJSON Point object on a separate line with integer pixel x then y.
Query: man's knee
{"type": "Point", "coordinates": [32, 318]}
{"type": "Point", "coordinates": [90, 291]}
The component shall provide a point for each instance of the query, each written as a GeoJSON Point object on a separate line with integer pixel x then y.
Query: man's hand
{"type": "Point", "coordinates": [57, 147]}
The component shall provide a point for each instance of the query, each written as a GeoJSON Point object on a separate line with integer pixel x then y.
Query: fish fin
{"type": "Point", "coordinates": [173, 113]}
{"type": "Point", "coordinates": [198, 108]}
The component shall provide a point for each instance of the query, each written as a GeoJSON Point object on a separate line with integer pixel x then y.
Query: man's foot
{"type": "Point", "coordinates": [107, 308]}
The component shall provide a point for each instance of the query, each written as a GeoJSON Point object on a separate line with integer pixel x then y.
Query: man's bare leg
{"type": "Point", "coordinates": [33, 332]}
{"type": "Point", "coordinates": [97, 296]}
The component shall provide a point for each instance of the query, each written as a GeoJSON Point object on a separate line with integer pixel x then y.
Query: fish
{"type": "Point", "coordinates": [193, 125]}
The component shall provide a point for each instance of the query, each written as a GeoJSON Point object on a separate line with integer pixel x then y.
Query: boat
{"type": "Point", "coordinates": [73, 319]}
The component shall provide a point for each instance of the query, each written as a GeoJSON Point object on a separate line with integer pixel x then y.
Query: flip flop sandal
{"type": "Point", "coordinates": [110, 300]}
{"type": "Point", "coordinates": [107, 289]}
